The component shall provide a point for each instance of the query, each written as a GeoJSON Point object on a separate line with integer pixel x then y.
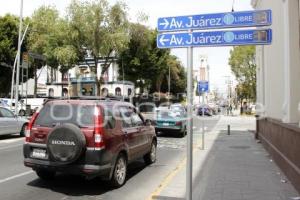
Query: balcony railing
{"type": "Point", "coordinates": [83, 79]}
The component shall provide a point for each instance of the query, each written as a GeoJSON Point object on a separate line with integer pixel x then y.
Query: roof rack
{"type": "Point", "coordinates": [101, 98]}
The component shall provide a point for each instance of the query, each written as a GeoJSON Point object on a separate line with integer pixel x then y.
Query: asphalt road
{"type": "Point", "coordinates": [18, 182]}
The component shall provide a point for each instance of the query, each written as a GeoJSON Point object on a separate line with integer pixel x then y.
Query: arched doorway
{"type": "Point", "coordinates": [118, 91]}
{"type": "Point", "coordinates": [51, 92]}
{"type": "Point", "coordinates": [65, 92]}
{"type": "Point", "coordinates": [104, 92]}
{"type": "Point", "coordinates": [129, 92]}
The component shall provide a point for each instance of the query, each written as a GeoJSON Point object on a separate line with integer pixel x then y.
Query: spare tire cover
{"type": "Point", "coordinates": [65, 143]}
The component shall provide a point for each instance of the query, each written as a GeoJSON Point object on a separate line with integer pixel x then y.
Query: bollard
{"type": "Point", "coordinates": [299, 111]}
{"type": "Point", "coordinates": [228, 129]}
{"type": "Point", "coordinates": [257, 127]}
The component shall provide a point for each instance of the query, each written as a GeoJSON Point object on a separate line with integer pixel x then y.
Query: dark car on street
{"type": "Point", "coordinates": [206, 110]}
{"type": "Point", "coordinates": [89, 137]}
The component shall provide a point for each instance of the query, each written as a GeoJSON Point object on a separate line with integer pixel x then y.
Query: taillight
{"type": "Point", "coordinates": [29, 127]}
{"type": "Point", "coordinates": [179, 123]}
{"type": "Point", "coordinates": [98, 134]}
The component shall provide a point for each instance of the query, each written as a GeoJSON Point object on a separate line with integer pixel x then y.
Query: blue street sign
{"type": "Point", "coordinates": [218, 20]}
{"type": "Point", "coordinates": [203, 86]}
{"type": "Point", "coordinates": [215, 38]}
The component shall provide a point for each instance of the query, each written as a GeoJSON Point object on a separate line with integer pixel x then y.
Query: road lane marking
{"type": "Point", "coordinates": [166, 181]}
{"type": "Point", "coordinates": [12, 146]}
{"type": "Point", "coordinates": [15, 176]}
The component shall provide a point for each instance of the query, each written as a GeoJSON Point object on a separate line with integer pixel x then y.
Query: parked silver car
{"type": "Point", "coordinates": [11, 124]}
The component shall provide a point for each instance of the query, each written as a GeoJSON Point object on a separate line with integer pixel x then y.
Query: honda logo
{"type": "Point", "coordinates": [62, 142]}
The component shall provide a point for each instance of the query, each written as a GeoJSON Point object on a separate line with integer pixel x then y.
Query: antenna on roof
{"type": "Point", "coordinates": [232, 8]}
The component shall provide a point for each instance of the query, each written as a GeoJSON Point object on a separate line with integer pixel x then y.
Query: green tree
{"type": "Point", "coordinates": [8, 49]}
{"type": "Point", "coordinates": [136, 56]}
{"type": "Point", "coordinates": [8, 44]}
{"type": "Point", "coordinates": [51, 36]}
{"type": "Point", "coordinates": [177, 76]}
{"type": "Point", "coordinates": [242, 63]}
{"type": "Point", "coordinates": [147, 66]}
{"type": "Point", "coordinates": [101, 28]}
{"type": "Point", "coordinates": [41, 37]}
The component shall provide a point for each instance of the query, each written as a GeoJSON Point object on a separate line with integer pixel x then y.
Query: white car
{"type": "Point", "coordinates": [10, 104]}
{"type": "Point", "coordinates": [4, 104]}
{"type": "Point", "coordinates": [11, 124]}
{"type": "Point", "coordinates": [34, 103]}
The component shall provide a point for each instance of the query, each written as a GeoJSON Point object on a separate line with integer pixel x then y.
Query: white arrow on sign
{"type": "Point", "coordinates": [162, 40]}
{"type": "Point", "coordinates": [165, 23]}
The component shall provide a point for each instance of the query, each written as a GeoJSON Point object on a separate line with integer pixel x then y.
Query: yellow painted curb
{"type": "Point", "coordinates": [166, 181]}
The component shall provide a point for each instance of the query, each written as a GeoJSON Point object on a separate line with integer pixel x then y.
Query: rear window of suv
{"type": "Point", "coordinates": [56, 114]}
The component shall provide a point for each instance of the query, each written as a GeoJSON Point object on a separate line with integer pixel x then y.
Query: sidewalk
{"type": "Point", "coordinates": [232, 167]}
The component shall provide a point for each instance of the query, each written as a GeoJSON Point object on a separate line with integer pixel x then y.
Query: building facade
{"type": "Point", "coordinates": [278, 87]}
{"type": "Point", "coordinates": [201, 73]}
{"type": "Point", "coordinates": [57, 83]}
{"type": "Point", "coordinates": [81, 80]}
{"type": "Point", "coordinates": [278, 68]}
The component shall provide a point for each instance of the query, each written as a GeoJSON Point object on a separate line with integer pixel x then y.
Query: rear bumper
{"type": "Point", "coordinates": [86, 170]}
{"type": "Point", "coordinates": [167, 128]}
{"type": "Point", "coordinates": [91, 163]}
{"type": "Point", "coordinates": [205, 113]}
{"type": "Point", "coordinates": [170, 129]}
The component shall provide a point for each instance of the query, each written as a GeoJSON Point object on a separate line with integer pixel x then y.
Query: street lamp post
{"type": "Point", "coordinates": [14, 70]}
{"type": "Point", "coordinates": [19, 58]}
{"type": "Point", "coordinates": [229, 83]}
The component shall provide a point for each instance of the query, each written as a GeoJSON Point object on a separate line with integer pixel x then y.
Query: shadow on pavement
{"type": "Point", "coordinates": [14, 136]}
{"type": "Point", "coordinates": [72, 185]}
{"type": "Point", "coordinates": [237, 167]}
{"type": "Point", "coordinates": [169, 134]}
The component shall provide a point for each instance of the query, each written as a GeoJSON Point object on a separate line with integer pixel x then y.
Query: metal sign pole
{"type": "Point", "coordinates": [203, 125]}
{"type": "Point", "coordinates": [189, 161]}
{"type": "Point", "coordinates": [192, 39]}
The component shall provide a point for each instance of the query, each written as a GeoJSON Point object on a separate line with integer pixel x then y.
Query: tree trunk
{"type": "Point", "coordinates": [103, 71]}
{"type": "Point", "coordinates": [106, 65]}
{"type": "Point", "coordinates": [98, 84]}
{"type": "Point", "coordinates": [62, 86]}
{"type": "Point", "coordinates": [98, 80]}
{"type": "Point", "coordinates": [101, 80]}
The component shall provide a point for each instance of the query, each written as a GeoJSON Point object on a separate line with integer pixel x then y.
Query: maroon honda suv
{"type": "Point", "coordinates": [90, 137]}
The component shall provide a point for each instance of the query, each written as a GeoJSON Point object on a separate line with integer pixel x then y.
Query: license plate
{"type": "Point", "coordinates": [39, 153]}
{"type": "Point", "coordinates": [165, 124]}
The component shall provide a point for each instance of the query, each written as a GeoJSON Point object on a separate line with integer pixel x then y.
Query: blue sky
{"type": "Point", "coordinates": [217, 57]}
